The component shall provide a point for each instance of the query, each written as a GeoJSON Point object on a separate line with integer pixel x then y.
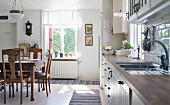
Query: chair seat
{"type": "Point", "coordinates": [17, 80]}
{"type": "Point", "coordinates": [40, 75]}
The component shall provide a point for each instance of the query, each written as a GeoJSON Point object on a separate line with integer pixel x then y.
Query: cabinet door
{"type": "Point", "coordinates": [105, 78]}
{"type": "Point", "coordinates": [102, 75]}
{"type": "Point", "coordinates": [156, 2]}
{"type": "Point", "coordinates": [117, 21]}
{"type": "Point", "coordinates": [132, 15]}
{"type": "Point", "coordinates": [124, 95]}
{"type": "Point", "coordinates": [116, 95]}
{"type": "Point", "coordinates": [120, 23]}
{"type": "Point", "coordinates": [145, 6]}
{"type": "Point", "coordinates": [135, 100]}
{"type": "Point", "coordinates": [110, 88]}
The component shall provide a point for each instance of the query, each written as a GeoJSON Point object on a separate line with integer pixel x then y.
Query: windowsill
{"type": "Point", "coordinates": [64, 58]}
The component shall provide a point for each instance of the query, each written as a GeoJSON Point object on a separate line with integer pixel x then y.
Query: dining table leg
{"type": "Point", "coordinates": [32, 82]}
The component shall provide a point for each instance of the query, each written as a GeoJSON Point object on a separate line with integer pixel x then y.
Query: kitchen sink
{"type": "Point", "coordinates": [143, 69]}
{"type": "Point", "coordinates": [138, 65]}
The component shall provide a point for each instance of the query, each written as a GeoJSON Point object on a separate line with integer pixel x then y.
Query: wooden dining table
{"type": "Point", "coordinates": [30, 65]}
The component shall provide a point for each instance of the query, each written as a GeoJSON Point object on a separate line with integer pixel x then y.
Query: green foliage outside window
{"type": "Point", "coordinates": [69, 40]}
{"type": "Point", "coordinates": [56, 40]}
{"type": "Point", "coordinates": [165, 33]}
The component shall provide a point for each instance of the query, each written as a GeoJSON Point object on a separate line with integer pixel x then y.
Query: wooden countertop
{"type": "Point", "coordinates": [151, 89]}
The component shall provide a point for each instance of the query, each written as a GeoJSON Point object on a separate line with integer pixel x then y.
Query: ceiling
{"type": "Point", "coordinates": [52, 4]}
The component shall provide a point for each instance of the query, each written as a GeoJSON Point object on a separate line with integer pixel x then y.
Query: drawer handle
{"type": "Point", "coordinates": [109, 88]}
{"type": "Point", "coordinates": [120, 82]}
{"type": "Point", "coordinates": [110, 72]}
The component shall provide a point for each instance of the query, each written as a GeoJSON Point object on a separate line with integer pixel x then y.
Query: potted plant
{"type": "Point", "coordinates": [126, 47]}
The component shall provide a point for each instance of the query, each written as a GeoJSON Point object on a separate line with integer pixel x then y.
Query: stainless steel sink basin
{"type": "Point", "coordinates": [138, 65]}
{"type": "Point", "coordinates": [143, 69]}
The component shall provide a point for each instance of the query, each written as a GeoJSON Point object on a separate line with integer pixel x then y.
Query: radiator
{"type": "Point", "coordinates": [63, 69]}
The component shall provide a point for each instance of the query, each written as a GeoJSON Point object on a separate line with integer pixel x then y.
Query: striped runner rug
{"type": "Point", "coordinates": [76, 82]}
{"type": "Point", "coordinates": [85, 97]}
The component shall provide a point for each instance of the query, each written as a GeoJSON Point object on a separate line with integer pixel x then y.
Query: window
{"type": "Point", "coordinates": [136, 36]}
{"type": "Point", "coordinates": [162, 34]}
{"type": "Point", "coordinates": [60, 31]}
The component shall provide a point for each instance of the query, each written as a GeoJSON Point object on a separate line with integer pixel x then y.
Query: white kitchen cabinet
{"type": "Point", "coordinates": [119, 23]}
{"type": "Point", "coordinates": [106, 80]}
{"type": "Point", "coordinates": [120, 93]}
{"type": "Point", "coordinates": [117, 92]}
{"type": "Point", "coordinates": [137, 8]}
{"type": "Point", "coordinates": [155, 3]}
{"type": "Point", "coordinates": [102, 72]}
{"type": "Point", "coordinates": [144, 6]}
{"type": "Point", "coordinates": [135, 100]}
{"type": "Point", "coordinates": [142, 9]}
{"type": "Point", "coordinates": [131, 11]}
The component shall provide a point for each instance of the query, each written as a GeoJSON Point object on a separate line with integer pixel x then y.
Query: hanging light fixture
{"type": "Point", "coordinates": [16, 13]}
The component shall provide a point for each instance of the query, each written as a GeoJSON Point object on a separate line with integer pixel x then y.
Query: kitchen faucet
{"type": "Point", "coordinates": [164, 61]}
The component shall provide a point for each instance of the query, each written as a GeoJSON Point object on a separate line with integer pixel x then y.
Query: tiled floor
{"type": "Point", "coordinates": [60, 95]}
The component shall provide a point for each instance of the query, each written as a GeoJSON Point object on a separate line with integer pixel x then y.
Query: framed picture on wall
{"type": "Point", "coordinates": [26, 48]}
{"type": "Point", "coordinates": [89, 40]}
{"type": "Point", "coordinates": [88, 29]}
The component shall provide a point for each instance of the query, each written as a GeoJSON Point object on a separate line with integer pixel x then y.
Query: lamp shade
{"type": "Point", "coordinates": [16, 14]}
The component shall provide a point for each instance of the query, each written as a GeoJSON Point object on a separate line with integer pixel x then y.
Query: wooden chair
{"type": "Point", "coordinates": [45, 75]}
{"type": "Point", "coordinates": [22, 53]}
{"type": "Point", "coordinates": [11, 77]}
{"type": "Point", "coordinates": [1, 81]}
{"type": "Point", "coordinates": [35, 52]}
{"type": "Point", "coordinates": [22, 56]}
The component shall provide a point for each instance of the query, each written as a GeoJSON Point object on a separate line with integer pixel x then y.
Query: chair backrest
{"type": "Point", "coordinates": [11, 61]}
{"type": "Point", "coordinates": [22, 53]}
{"type": "Point", "coordinates": [35, 52]}
{"type": "Point", "coordinates": [48, 63]}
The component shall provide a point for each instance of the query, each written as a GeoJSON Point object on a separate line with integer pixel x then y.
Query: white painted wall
{"type": "Point", "coordinates": [8, 36]}
{"type": "Point", "coordinates": [88, 69]}
{"type": "Point", "coordinates": [9, 20]}
{"type": "Point", "coordinates": [108, 39]}
{"type": "Point", "coordinates": [35, 18]}
{"type": "Point", "coordinates": [88, 55]}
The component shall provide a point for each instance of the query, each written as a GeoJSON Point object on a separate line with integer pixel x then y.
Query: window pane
{"type": "Point", "coordinates": [162, 34]}
{"type": "Point", "coordinates": [165, 33]}
{"type": "Point", "coordinates": [69, 40]}
{"type": "Point", "coordinates": [63, 36]}
{"type": "Point", "coordinates": [56, 40]}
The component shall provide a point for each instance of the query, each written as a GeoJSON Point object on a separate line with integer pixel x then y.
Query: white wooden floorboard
{"type": "Point", "coordinates": [60, 95]}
